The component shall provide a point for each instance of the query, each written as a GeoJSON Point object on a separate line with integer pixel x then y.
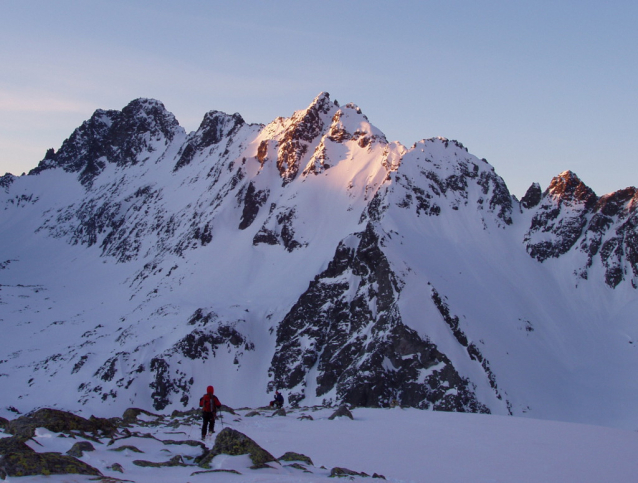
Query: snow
{"type": "Point", "coordinates": [404, 445]}
{"type": "Point", "coordinates": [577, 363]}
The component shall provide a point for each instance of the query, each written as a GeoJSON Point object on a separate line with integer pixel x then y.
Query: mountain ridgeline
{"type": "Point", "coordinates": [140, 263]}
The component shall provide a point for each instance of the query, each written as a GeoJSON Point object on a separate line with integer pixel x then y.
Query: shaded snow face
{"type": "Point", "coordinates": [142, 264]}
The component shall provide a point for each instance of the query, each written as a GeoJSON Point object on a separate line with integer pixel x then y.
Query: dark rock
{"type": "Point", "coordinates": [532, 197]}
{"type": "Point", "coordinates": [78, 449]}
{"type": "Point", "coordinates": [116, 467]}
{"type": "Point", "coordinates": [253, 201]}
{"type": "Point", "coordinates": [305, 127]}
{"type": "Point", "coordinates": [18, 459]}
{"type": "Point", "coordinates": [291, 456]}
{"type": "Point", "coordinates": [127, 447]}
{"type": "Point", "coordinates": [215, 128]}
{"type": "Point", "coordinates": [174, 461]}
{"type": "Point", "coordinates": [130, 415]}
{"type": "Point", "coordinates": [7, 180]}
{"type": "Point", "coordinates": [234, 443]}
{"type": "Point", "coordinates": [234, 472]}
{"type": "Point", "coordinates": [343, 411]}
{"type": "Point", "coordinates": [227, 409]}
{"type": "Point", "coordinates": [58, 422]}
{"type": "Point", "coordinates": [14, 444]}
{"type": "Point", "coordinates": [347, 326]}
{"type": "Point", "coordinates": [120, 137]}
{"type": "Point", "coordinates": [279, 229]}
{"type": "Point", "coordinates": [563, 212]}
{"type": "Point", "coordinates": [278, 412]}
{"type": "Point", "coordinates": [252, 414]}
{"type": "Point", "coordinates": [338, 472]}
{"type": "Point", "coordinates": [299, 467]}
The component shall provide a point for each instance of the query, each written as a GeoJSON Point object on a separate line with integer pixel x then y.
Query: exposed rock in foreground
{"type": "Point", "coordinates": [112, 448]}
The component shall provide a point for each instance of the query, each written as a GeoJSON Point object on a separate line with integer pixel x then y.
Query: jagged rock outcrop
{"type": "Point", "coordinates": [562, 214]}
{"type": "Point", "coordinates": [347, 325]}
{"type": "Point", "coordinates": [571, 216]}
{"type": "Point", "coordinates": [215, 128]}
{"type": "Point", "coordinates": [305, 127]}
{"type": "Point", "coordinates": [532, 197]}
{"type": "Point", "coordinates": [125, 137]}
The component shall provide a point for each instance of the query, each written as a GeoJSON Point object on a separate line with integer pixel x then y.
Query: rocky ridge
{"type": "Point", "coordinates": [300, 255]}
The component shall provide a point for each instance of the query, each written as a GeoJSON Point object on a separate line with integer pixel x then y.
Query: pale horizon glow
{"type": "Point", "coordinates": [536, 89]}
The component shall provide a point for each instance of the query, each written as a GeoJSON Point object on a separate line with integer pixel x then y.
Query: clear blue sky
{"type": "Point", "coordinates": [535, 87]}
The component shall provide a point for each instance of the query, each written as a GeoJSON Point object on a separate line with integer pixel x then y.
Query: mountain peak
{"type": "Point", "coordinates": [532, 197]}
{"type": "Point", "coordinates": [567, 187]}
{"type": "Point", "coordinates": [123, 137]}
{"type": "Point", "coordinates": [305, 126]}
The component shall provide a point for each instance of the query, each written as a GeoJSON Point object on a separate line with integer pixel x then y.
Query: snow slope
{"type": "Point", "coordinates": [139, 262]}
{"type": "Point", "coordinates": [403, 445]}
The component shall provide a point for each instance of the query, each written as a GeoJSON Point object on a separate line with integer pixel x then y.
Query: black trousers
{"type": "Point", "coordinates": [209, 423]}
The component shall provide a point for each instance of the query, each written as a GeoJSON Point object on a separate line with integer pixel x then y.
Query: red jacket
{"type": "Point", "coordinates": [209, 403]}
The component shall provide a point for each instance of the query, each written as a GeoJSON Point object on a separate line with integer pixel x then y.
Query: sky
{"type": "Point", "coordinates": [536, 88]}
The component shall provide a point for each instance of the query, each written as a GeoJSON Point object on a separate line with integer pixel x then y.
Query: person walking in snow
{"type": "Point", "coordinates": [209, 404]}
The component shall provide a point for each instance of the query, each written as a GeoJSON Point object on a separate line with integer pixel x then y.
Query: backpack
{"type": "Point", "coordinates": [208, 403]}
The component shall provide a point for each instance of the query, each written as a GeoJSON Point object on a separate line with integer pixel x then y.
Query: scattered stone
{"type": "Point", "coordinates": [131, 414]}
{"type": "Point", "coordinates": [58, 422]}
{"type": "Point", "coordinates": [116, 467]}
{"type": "Point", "coordinates": [111, 479]}
{"type": "Point", "coordinates": [342, 411]}
{"type": "Point", "coordinates": [182, 414]}
{"type": "Point", "coordinates": [174, 461]}
{"type": "Point", "coordinates": [234, 443]}
{"type": "Point", "coordinates": [306, 416]}
{"type": "Point", "coordinates": [77, 450]}
{"type": "Point", "coordinates": [299, 467]}
{"type": "Point", "coordinates": [345, 472]}
{"type": "Point", "coordinates": [252, 414]}
{"type": "Point", "coordinates": [291, 456]}
{"type": "Point", "coordinates": [127, 447]}
{"type": "Point", "coordinates": [187, 442]}
{"type": "Point", "coordinates": [279, 412]}
{"type": "Point", "coordinates": [227, 409]}
{"type": "Point", "coordinates": [215, 471]}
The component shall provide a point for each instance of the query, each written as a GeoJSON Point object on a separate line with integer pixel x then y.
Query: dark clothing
{"type": "Point", "coordinates": [209, 423]}
{"type": "Point", "coordinates": [278, 401]}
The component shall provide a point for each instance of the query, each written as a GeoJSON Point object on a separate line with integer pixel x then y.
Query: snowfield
{"type": "Point", "coordinates": [403, 445]}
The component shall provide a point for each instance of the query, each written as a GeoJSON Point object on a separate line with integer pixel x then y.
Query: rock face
{"type": "Point", "coordinates": [308, 255]}
{"type": "Point", "coordinates": [118, 137]}
{"type": "Point", "coordinates": [571, 217]}
{"type": "Point", "coordinates": [354, 336]}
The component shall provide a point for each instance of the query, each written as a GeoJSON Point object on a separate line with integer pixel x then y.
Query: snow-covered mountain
{"type": "Point", "coordinates": [139, 263]}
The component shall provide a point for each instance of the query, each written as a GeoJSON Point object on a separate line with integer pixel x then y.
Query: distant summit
{"type": "Point", "coordinates": [311, 256]}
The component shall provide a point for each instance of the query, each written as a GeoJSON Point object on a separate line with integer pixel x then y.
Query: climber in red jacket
{"type": "Point", "coordinates": [209, 404]}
